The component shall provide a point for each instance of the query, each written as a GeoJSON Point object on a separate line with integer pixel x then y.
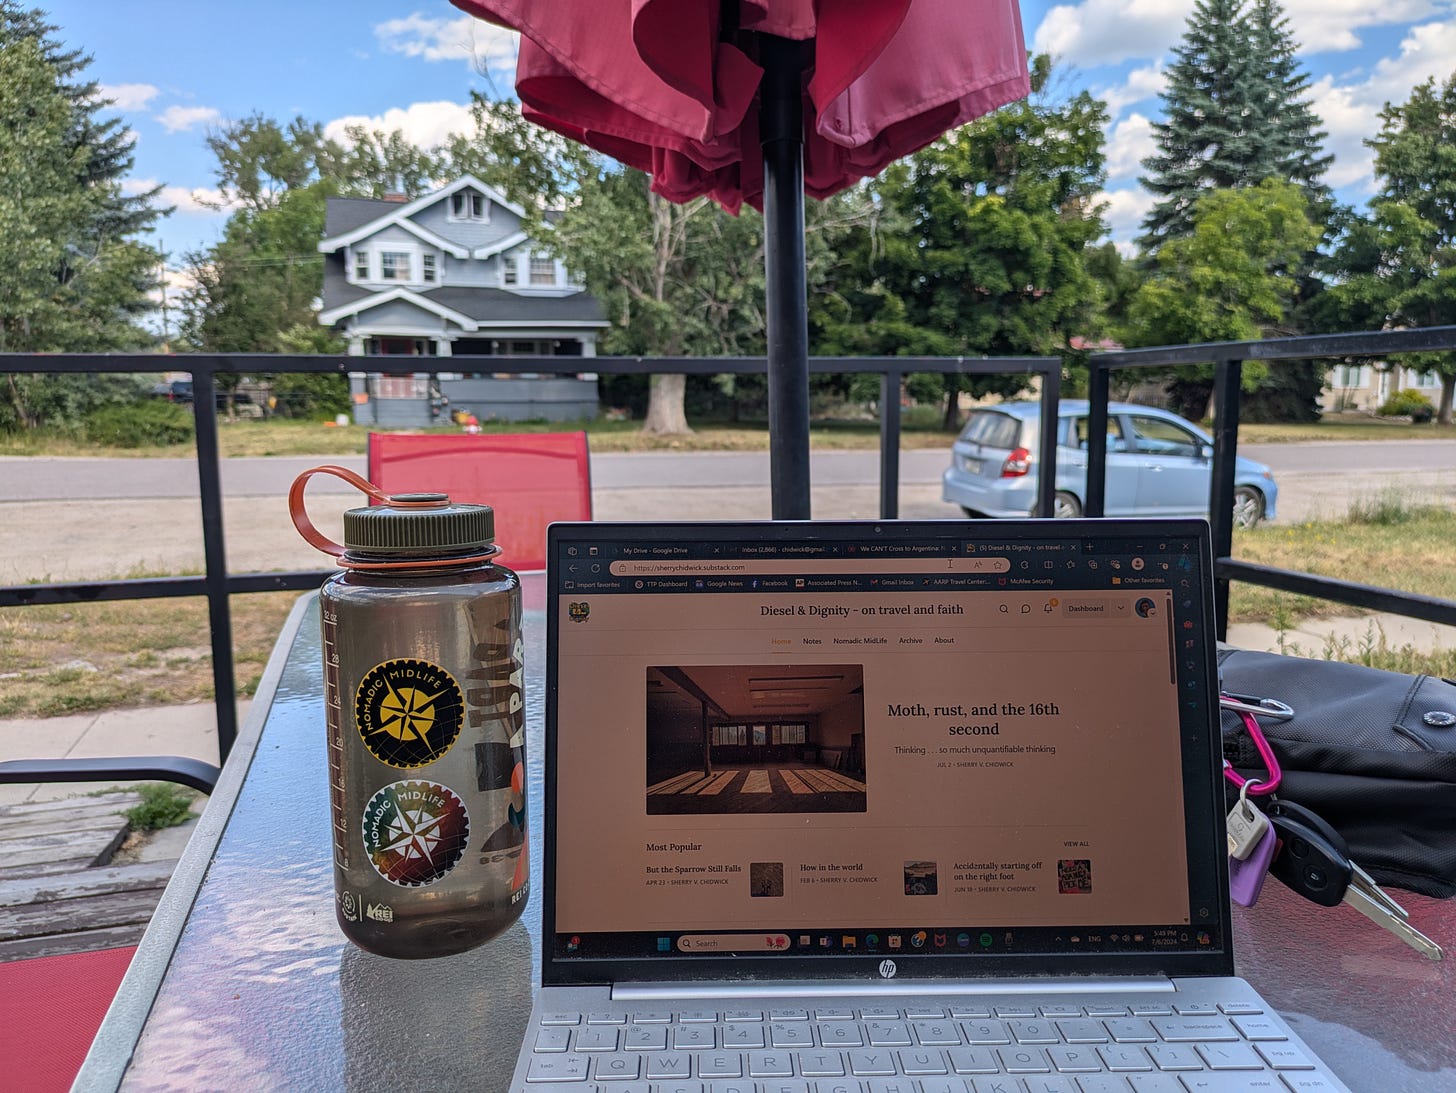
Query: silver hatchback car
{"type": "Point", "coordinates": [1158, 464]}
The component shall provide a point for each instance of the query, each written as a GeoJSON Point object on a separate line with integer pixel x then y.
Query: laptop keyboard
{"type": "Point", "coordinates": [1155, 1048]}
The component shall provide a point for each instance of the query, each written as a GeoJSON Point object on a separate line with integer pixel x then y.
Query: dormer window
{"type": "Point", "coordinates": [508, 269]}
{"type": "Point", "coordinates": [361, 265]}
{"type": "Point", "coordinates": [427, 269]}
{"type": "Point", "coordinates": [394, 265]}
{"type": "Point", "coordinates": [467, 205]}
{"type": "Point", "coordinates": [543, 269]}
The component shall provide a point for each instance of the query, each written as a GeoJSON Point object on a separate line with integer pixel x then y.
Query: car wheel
{"type": "Point", "coordinates": [1248, 506]}
{"type": "Point", "coordinates": [1065, 506]}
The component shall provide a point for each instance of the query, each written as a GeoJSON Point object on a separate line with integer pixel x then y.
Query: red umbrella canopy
{"type": "Point", "coordinates": [671, 86]}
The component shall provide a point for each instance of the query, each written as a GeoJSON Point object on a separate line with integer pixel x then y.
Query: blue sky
{"type": "Point", "coordinates": [175, 68]}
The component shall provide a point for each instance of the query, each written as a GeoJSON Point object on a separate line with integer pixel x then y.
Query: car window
{"type": "Point", "coordinates": [1161, 437]}
{"type": "Point", "coordinates": [1114, 434]}
{"type": "Point", "coordinates": [993, 429]}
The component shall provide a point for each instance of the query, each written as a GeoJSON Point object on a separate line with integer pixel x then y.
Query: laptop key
{"type": "Point", "coordinates": [1034, 1032]}
{"type": "Point", "coordinates": [699, 1017]}
{"type": "Point", "coordinates": [552, 1039]}
{"type": "Point", "coordinates": [970, 1013]}
{"type": "Point", "coordinates": [720, 1064]}
{"type": "Point", "coordinates": [840, 1034]}
{"type": "Point", "coordinates": [1052, 1083]}
{"type": "Point", "coordinates": [888, 1033]}
{"type": "Point", "coordinates": [1174, 1057]}
{"type": "Point", "coordinates": [743, 1035]}
{"type": "Point", "coordinates": [922, 1062]}
{"type": "Point", "coordinates": [652, 1017]}
{"type": "Point", "coordinates": [561, 1018]}
{"type": "Point", "coordinates": [1194, 1009]}
{"type": "Point", "coordinates": [924, 1013]}
{"type": "Point", "coordinates": [1054, 1012]}
{"type": "Point", "coordinates": [1130, 1030]}
{"type": "Point", "coordinates": [871, 1064]}
{"type": "Point", "coordinates": [783, 1087]}
{"type": "Point", "coordinates": [740, 1016]}
{"type": "Point", "coordinates": [790, 1034]}
{"type": "Point", "coordinates": [838, 1087]}
{"type": "Point", "coordinates": [1023, 1060]}
{"type": "Point", "coordinates": [645, 1038]}
{"type": "Point", "coordinates": [973, 1060]}
{"type": "Point", "coordinates": [735, 1085]}
{"type": "Point", "coordinates": [616, 1068]}
{"type": "Point", "coordinates": [672, 1087]}
{"type": "Point", "coordinates": [1100, 1010]}
{"type": "Point", "coordinates": [788, 1015]}
{"type": "Point", "coordinates": [986, 1032]}
{"type": "Point", "coordinates": [693, 1036]}
{"type": "Point", "coordinates": [837, 1013]}
{"type": "Point", "coordinates": [937, 1033]}
{"type": "Point", "coordinates": [1194, 1029]}
{"type": "Point", "coordinates": [821, 1064]}
{"type": "Point", "coordinates": [879, 1015]}
{"type": "Point", "coordinates": [1238, 1083]}
{"type": "Point", "coordinates": [557, 1068]}
{"type": "Point", "coordinates": [1285, 1057]}
{"type": "Point", "coordinates": [1075, 1060]}
{"type": "Point", "coordinates": [596, 1039]}
{"type": "Point", "coordinates": [1230, 1057]}
{"type": "Point", "coordinates": [1082, 1030]}
{"type": "Point", "coordinates": [668, 1064]}
{"type": "Point", "coordinates": [1124, 1057]}
{"type": "Point", "coordinates": [1154, 1083]}
{"type": "Point", "coordinates": [770, 1064]}
{"type": "Point", "coordinates": [606, 1018]}
{"type": "Point", "coordinates": [910, 1085]}
{"type": "Point", "coordinates": [1259, 1028]}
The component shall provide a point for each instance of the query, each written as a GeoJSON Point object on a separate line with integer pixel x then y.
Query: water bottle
{"type": "Point", "coordinates": [424, 700]}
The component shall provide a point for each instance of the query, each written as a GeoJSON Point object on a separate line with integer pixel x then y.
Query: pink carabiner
{"type": "Point", "coordinates": [1270, 782]}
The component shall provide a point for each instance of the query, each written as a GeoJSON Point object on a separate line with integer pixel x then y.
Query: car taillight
{"type": "Point", "coordinates": [1017, 463]}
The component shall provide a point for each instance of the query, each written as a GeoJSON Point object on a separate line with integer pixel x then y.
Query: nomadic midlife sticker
{"type": "Point", "coordinates": [415, 832]}
{"type": "Point", "coordinates": [408, 712]}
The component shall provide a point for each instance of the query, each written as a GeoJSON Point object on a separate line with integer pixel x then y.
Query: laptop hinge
{"type": "Point", "coordinates": [884, 988]}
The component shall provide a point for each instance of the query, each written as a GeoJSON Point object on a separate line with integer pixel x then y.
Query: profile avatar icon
{"type": "Point", "coordinates": [1145, 608]}
{"type": "Point", "coordinates": [578, 611]}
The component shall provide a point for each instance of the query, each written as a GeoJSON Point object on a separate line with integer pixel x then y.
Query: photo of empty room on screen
{"type": "Point", "coordinates": [755, 738]}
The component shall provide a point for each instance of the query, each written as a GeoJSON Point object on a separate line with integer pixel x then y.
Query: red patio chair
{"type": "Point", "coordinates": [530, 479]}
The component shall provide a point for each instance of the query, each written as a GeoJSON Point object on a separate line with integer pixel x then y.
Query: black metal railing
{"type": "Point", "coordinates": [1228, 359]}
{"type": "Point", "coordinates": [217, 584]}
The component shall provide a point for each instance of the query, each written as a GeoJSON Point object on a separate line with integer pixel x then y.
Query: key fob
{"type": "Point", "coordinates": [1313, 820]}
{"type": "Point", "coordinates": [1307, 863]}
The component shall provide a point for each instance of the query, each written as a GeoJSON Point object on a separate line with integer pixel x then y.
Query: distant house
{"type": "Point", "coordinates": [1365, 388]}
{"type": "Point", "coordinates": [452, 274]}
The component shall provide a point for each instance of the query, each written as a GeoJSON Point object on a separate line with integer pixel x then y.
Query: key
{"type": "Point", "coordinates": [1313, 862]}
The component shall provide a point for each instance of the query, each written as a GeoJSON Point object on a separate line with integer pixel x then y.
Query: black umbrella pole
{"type": "Point", "coordinates": [785, 283]}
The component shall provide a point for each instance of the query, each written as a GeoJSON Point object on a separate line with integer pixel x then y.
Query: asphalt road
{"type": "Point", "coordinates": [46, 479]}
{"type": "Point", "coordinates": [76, 519]}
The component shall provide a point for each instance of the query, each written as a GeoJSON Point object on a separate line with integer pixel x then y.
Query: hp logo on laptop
{"type": "Point", "coordinates": [887, 969]}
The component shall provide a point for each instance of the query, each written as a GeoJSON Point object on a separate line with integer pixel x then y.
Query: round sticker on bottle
{"type": "Point", "coordinates": [409, 712]}
{"type": "Point", "coordinates": [415, 832]}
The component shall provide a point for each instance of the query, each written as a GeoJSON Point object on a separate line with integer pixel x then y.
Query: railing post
{"type": "Point", "coordinates": [214, 550]}
{"type": "Point", "coordinates": [1098, 390]}
{"type": "Point", "coordinates": [1227, 376]}
{"type": "Point", "coordinates": [890, 444]}
{"type": "Point", "coordinates": [1046, 478]}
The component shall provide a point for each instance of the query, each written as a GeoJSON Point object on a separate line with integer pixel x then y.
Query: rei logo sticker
{"type": "Point", "coordinates": [408, 712]}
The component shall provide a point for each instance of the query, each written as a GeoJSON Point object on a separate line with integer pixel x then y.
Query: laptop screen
{"type": "Point", "coordinates": [945, 748]}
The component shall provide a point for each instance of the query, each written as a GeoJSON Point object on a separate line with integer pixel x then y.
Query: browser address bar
{"type": "Point", "coordinates": [736, 567]}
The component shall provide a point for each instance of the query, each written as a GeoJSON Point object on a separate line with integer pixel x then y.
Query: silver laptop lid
{"type": "Point", "coordinates": [801, 750]}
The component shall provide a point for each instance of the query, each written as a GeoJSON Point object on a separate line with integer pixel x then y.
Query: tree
{"type": "Point", "coordinates": [72, 276]}
{"type": "Point", "coordinates": [1398, 268]}
{"type": "Point", "coordinates": [1236, 111]}
{"type": "Point", "coordinates": [675, 280]}
{"type": "Point", "coordinates": [1229, 280]}
{"type": "Point", "coordinates": [997, 219]}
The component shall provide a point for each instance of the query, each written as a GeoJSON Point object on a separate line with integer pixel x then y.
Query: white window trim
{"type": "Point", "coordinates": [531, 281]}
{"type": "Point", "coordinates": [511, 259]}
{"type": "Point", "coordinates": [464, 194]}
{"type": "Point", "coordinates": [434, 260]}
{"type": "Point", "coordinates": [364, 253]}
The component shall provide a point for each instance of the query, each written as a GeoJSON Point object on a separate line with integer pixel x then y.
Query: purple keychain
{"type": "Point", "coordinates": [1246, 878]}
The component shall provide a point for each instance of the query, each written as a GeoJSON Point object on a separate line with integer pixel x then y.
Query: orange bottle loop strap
{"type": "Point", "coordinates": [320, 541]}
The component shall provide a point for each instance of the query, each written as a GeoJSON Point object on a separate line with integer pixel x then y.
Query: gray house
{"type": "Point", "coordinates": [450, 274]}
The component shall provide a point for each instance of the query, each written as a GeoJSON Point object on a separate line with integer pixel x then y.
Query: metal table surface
{"type": "Point", "coordinates": [244, 980]}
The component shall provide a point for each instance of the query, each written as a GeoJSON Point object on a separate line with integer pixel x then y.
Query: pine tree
{"type": "Point", "coordinates": [1237, 113]}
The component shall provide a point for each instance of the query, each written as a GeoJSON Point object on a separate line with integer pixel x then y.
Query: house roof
{"type": "Point", "coordinates": [399, 213]}
{"type": "Point", "coordinates": [479, 306]}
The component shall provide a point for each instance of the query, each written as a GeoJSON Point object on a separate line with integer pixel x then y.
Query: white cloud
{"type": "Point", "coordinates": [1105, 32]}
{"type": "Point", "coordinates": [1351, 111]}
{"type": "Point", "coordinates": [1141, 84]}
{"type": "Point", "coordinates": [179, 118]}
{"type": "Point", "coordinates": [462, 38]}
{"type": "Point", "coordinates": [128, 96]}
{"type": "Point", "coordinates": [425, 124]}
{"type": "Point", "coordinates": [1124, 215]}
{"type": "Point", "coordinates": [1129, 142]}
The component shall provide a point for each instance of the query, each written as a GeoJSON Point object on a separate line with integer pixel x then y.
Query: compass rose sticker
{"type": "Point", "coordinates": [415, 832]}
{"type": "Point", "coordinates": [409, 712]}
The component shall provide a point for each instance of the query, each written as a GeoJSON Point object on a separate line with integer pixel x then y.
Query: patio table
{"type": "Point", "coordinates": [244, 980]}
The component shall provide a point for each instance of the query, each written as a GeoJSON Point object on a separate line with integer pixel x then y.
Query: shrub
{"type": "Point", "coordinates": [140, 425]}
{"type": "Point", "coordinates": [162, 805]}
{"type": "Point", "coordinates": [1411, 404]}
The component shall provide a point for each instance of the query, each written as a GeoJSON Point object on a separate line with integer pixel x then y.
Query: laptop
{"type": "Point", "coordinates": [889, 807]}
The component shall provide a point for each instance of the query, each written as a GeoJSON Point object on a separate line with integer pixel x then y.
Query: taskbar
{"type": "Point", "coordinates": [927, 941]}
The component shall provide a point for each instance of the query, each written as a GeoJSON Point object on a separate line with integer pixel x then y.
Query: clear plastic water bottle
{"type": "Point", "coordinates": [426, 727]}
